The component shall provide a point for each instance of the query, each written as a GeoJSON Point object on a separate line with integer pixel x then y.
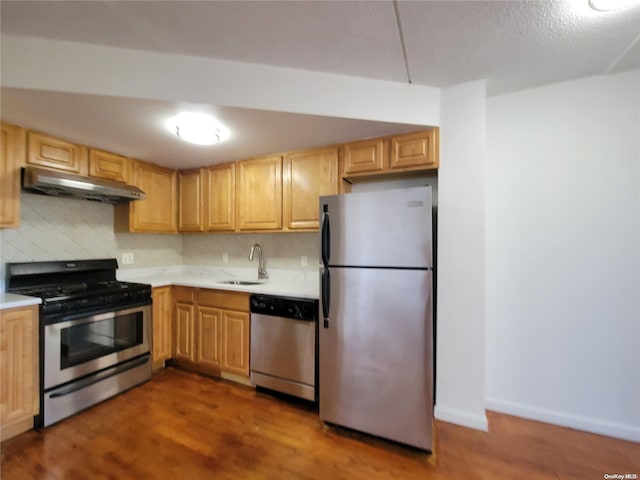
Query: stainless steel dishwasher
{"type": "Point", "coordinates": [284, 344]}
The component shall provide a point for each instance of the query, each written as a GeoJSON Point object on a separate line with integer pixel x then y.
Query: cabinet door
{"type": "Point", "coordinates": [109, 166]}
{"type": "Point", "coordinates": [50, 152]}
{"type": "Point", "coordinates": [18, 370]}
{"type": "Point", "coordinates": [413, 150]}
{"type": "Point", "coordinates": [157, 212]}
{"type": "Point", "coordinates": [307, 175]}
{"type": "Point", "coordinates": [367, 156]}
{"type": "Point", "coordinates": [162, 322]}
{"type": "Point", "coordinates": [235, 342]}
{"type": "Point", "coordinates": [209, 337]}
{"type": "Point", "coordinates": [12, 151]}
{"type": "Point", "coordinates": [220, 198]}
{"type": "Point", "coordinates": [190, 200]}
{"type": "Point", "coordinates": [259, 194]}
{"type": "Point", "coordinates": [184, 345]}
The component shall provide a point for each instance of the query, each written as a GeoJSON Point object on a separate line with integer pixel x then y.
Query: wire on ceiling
{"type": "Point", "coordinates": [400, 34]}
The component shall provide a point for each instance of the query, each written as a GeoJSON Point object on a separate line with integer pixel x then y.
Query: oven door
{"type": "Point", "coordinates": [84, 345]}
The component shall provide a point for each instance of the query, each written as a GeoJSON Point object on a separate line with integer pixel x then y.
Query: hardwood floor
{"type": "Point", "coordinates": [183, 426]}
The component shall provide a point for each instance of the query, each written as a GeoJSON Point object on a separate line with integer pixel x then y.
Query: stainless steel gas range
{"type": "Point", "coordinates": [95, 332]}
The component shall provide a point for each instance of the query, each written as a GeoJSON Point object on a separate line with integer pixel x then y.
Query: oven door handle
{"type": "Point", "coordinates": [110, 372]}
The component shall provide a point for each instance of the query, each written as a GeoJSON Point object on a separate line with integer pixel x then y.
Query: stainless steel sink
{"type": "Point", "coordinates": [240, 282]}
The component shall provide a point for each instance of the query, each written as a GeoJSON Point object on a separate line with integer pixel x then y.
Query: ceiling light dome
{"type": "Point", "coordinates": [197, 128]}
{"type": "Point", "coordinates": [609, 5]}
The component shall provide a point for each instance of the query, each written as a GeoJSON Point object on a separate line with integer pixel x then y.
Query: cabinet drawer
{"type": "Point", "coordinates": [226, 300]}
{"type": "Point", "coordinates": [184, 294]}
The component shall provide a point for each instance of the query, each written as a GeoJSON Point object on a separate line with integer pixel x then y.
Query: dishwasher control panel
{"type": "Point", "coordinates": [286, 307]}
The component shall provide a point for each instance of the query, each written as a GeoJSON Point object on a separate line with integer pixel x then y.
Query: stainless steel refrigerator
{"type": "Point", "coordinates": [376, 338]}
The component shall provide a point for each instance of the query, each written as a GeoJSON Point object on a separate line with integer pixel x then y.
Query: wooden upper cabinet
{"type": "Point", "coordinates": [157, 213]}
{"type": "Point", "coordinates": [190, 200]}
{"type": "Point", "coordinates": [220, 198]}
{"type": "Point", "coordinates": [389, 156]}
{"type": "Point", "coordinates": [109, 166]}
{"type": "Point", "coordinates": [49, 152]}
{"type": "Point", "coordinates": [12, 152]}
{"type": "Point", "coordinates": [366, 156]}
{"type": "Point", "coordinates": [259, 194]}
{"type": "Point", "coordinates": [306, 176]}
{"type": "Point", "coordinates": [413, 150]}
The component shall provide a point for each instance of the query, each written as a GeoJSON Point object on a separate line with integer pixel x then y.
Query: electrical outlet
{"type": "Point", "coordinates": [127, 258]}
{"type": "Point", "coordinates": [303, 260]}
{"type": "Point", "coordinates": [225, 258]}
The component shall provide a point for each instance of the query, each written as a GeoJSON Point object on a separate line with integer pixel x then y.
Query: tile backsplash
{"type": "Point", "coordinates": [281, 250]}
{"type": "Point", "coordinates": [54, 228]}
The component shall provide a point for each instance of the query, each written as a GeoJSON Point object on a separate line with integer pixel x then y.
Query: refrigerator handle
{"type": "Point", "coordinates": [326, 236]}
{"type": "Point", "coordinates": [326, 296]}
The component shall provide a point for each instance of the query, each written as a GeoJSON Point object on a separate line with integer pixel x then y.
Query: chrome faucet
{"type": "Point", "coordinates": [262, 273]}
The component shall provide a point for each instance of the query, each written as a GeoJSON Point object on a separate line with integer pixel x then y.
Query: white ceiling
{"type": "Point", "coordinates": [512, 44]}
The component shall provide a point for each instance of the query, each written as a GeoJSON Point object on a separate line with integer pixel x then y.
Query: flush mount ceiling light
{"type": "Point", "coordinates": [610, 5]}
{"type": "Point", "coordinates": [198, 128]}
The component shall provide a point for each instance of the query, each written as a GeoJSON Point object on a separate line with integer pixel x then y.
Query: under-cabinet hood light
{"type": "Point", "coordinates": [198, 128]}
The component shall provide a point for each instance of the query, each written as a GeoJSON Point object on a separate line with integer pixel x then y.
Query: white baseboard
{"type": "Point", "coordinates": [588, 424]}
{"type": "Point", "coordinates": [461, 417]}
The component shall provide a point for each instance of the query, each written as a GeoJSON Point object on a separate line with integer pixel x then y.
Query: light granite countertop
{"type": "Point", "coordinates": [11, 300]}
{"type": "Point", "coordinates": [290, 283]}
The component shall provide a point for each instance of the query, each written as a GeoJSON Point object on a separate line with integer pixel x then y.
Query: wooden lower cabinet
{"type": "Point", "coordinates": [209, 337]}
{"type": "Point", "coordinates": [18, 370]}
{"type": "Point", "coordinates": [235, 342]}
{"type": "Point", "coordinates": [162, 325]}
{"type": "Point", "coordinates": [183, 339]}
{"type": "Point", "coordinates": [211, 331]}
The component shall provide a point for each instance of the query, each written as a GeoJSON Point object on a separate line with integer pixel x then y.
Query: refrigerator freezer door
{"type": "Point", "coordinates": [376, 370]}
{"type": "Point", "coordinates": [388, 228]}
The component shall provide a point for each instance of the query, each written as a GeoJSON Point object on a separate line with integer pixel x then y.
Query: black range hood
{"type": "Point", "coordinates": [61, 184]}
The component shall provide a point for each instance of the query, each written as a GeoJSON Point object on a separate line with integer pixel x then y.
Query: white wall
{"type": "Point", "coordinates": [460, 354]}
{"type": "Point", "coordinates": [563, 254]}
{"type": "Point", "coordinates": [120, 72]}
